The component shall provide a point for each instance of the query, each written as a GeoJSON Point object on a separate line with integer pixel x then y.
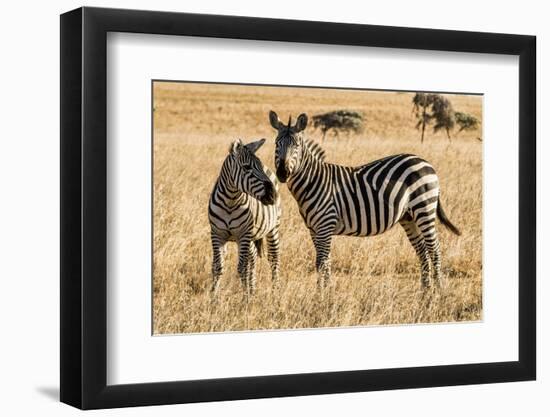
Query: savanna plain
{"type": "Point", "coordinates": [375, 280]}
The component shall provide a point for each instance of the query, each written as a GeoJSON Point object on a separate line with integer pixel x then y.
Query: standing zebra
{"type": "Point", "coordinates": [360, 201]}
{"type": "Point", "coordinates": [244, 207]}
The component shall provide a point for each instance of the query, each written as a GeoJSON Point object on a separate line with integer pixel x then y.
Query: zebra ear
{"type": "Point", "coordinates": [301, 123]}
{"type": "Point", "coordinates": [235, 147]}
{"type": "Point", "coordinates": [274, 120]}
{"type": "Point", "coordinates": [254, 146]}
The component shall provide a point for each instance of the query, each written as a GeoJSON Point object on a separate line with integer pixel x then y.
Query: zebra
{"type": "Point", "coordinates": [244, 207]}
{"type": "Point", "coordinates": [360, 201]}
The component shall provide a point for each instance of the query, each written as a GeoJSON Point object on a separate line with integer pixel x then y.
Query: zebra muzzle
{"type": "Point", "coordinates": [281, 173]}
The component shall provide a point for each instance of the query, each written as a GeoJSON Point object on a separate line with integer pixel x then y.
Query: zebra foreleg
{"type": "Point", "coordinates": [252, 257]}
{"type": "Point", "coordinates": [243, 267]}
{"type": "Point", "coordinates": [273, 257]}
{"type": "Point", "coordinates": [417, 241]}
{"type": "Point", "coordinates": [322, 244]}
{"type": "Point", "coordinates": [218, 251]}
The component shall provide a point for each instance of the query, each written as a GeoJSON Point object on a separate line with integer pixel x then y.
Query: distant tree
{"type": "Point", "coordinates": [421, 104]}
{"type": "Point", "coordinates": [339, 121]}
{"type": "Point", "coordinates": [443, 114]}
{"type": "Point", "coordinates": [466, 121]}
{"type": "Point", "coordinates": [433, 109]}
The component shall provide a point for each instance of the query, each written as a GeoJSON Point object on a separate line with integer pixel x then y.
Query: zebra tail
{"type": "Point", "coordinates": [445, 220]}
{"type": "Point", "coordinates": [259, 247]}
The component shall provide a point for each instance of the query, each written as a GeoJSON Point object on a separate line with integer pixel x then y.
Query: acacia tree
{"type": "Point", "coordinates": [339, 121]}
{"type": "Point", "coordinates": [443, 115]}
{"type": "Point", "coordinates": [436, 109]}
{"type": "Point", "coordinates": [421, 103]}
{"type": "Point", "coordinates": [466, 121]}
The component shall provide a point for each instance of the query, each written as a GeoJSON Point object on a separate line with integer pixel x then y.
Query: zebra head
{"type": "Point", "coordinates": [247, 172]}
{"type": "Point", "coordinates": [288, 144]}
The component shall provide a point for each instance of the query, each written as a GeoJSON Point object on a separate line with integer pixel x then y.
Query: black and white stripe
{"type": "Point", "coordinates": [360, 201]}
{"type": "Point", "coordinates": [245, 208]}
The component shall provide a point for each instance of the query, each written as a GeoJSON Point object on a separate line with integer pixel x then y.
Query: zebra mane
{"type": "Point", "coordinates": [315, 150]}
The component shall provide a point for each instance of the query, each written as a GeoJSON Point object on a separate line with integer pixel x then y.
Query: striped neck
{"type": "Point", "coordinates": [315, 150]}
{"type": "Point", "coordinates": [226, 191]}
{"type": "Point", "coordinates": [312, 162]}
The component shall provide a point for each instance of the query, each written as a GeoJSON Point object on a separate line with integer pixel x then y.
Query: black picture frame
{"type": "Point", "coordinates": [84, 207]}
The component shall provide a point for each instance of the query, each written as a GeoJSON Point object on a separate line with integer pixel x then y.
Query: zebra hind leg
{"type": "Point", "coordinates": [417, 241]}
{"type": "Point", "coordinates": [432, 245]}
{"type": "Point", "coordinates": [273, 256]}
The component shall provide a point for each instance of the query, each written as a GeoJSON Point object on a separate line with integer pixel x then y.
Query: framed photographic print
{"type": "Point", "coordinates": [255, 208]}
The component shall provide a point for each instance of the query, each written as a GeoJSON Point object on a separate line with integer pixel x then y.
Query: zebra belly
{"type": "Point", "coordinates": [371, 215]}
{"type": "Point", "coordinates": [341, 230]}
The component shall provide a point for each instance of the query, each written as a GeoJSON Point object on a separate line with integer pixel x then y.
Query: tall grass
{"type": "Point", "coordinates": [375, 280]}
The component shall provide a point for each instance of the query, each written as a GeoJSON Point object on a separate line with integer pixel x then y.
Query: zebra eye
{"type": "Point", "coordinates": [247, 166]}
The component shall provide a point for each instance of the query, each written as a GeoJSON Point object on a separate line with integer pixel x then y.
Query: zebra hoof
{"type": "Point", "coordinates": [214, 289]}
{"type": "Point", "coordinates": [425, 283]}
{"type": "Point", "coordinates": [442, 285]}
{"type": "Point", "coordinates": [214, 296]}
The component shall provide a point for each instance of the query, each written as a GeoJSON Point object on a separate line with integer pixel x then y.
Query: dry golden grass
{"type": "Point", "coordinates": [375, 280]}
